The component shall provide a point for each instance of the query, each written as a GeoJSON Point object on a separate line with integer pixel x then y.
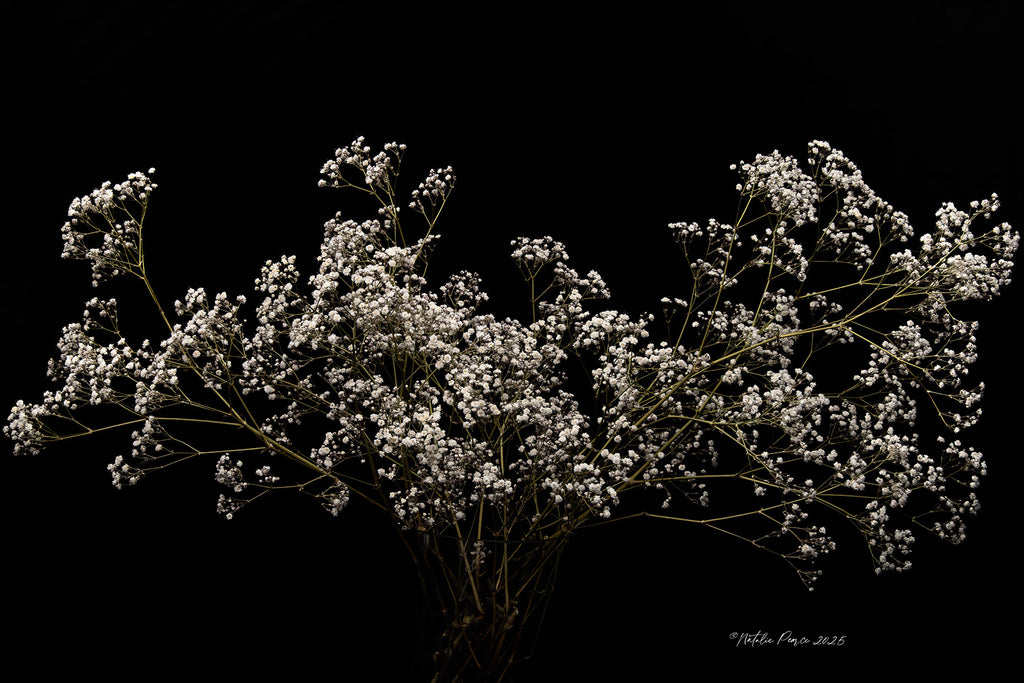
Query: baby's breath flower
{"type": "Point", "coordinates": [365, 379]}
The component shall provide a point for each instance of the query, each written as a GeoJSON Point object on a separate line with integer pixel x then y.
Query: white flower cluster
{"type": "Point", "coordinates": [457, 421]}
{"type": "Point", "coordinates": [433, 192]}
{"type": "Point", "coordinates": [376, 171]}
{"type": "Point", "coordinates": [105, 227]}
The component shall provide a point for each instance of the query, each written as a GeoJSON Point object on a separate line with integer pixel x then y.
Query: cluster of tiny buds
{"type": "Point", "coordinates": [375, 170]}
{"type": "Point", "coordinates": [433, 190]}
{"type": "Point", "coordinates": [105, 226]}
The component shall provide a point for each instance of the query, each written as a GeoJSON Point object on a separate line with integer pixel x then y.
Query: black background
{"type": "Point", "coordinates": [597, 124]}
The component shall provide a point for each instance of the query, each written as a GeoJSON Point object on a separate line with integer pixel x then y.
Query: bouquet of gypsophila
{"type": "Point", "coordinates": [364, 381]}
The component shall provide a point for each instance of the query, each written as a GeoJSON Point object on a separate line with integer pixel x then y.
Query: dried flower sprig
{"type": "Point", "coordinates": [465, 430]}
